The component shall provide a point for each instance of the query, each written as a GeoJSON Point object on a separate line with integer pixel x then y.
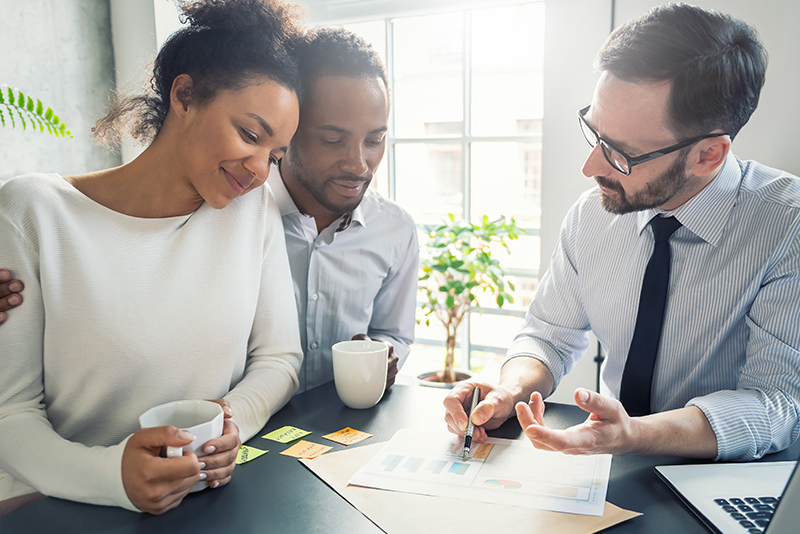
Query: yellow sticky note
{"type": "Point", "coordinates": [348, 436]}
{"type": "Point", "coordinates": [483, 451]}
{"type": "Point", "coordinates": [306, 449]}
{"type": "Point", "coordinates": [286, 434]}
{"type": "Point", "coordinates": [247, 453]}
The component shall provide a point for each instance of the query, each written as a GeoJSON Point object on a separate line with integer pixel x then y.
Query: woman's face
{"type": "Point", "coordinates": [229, 142]}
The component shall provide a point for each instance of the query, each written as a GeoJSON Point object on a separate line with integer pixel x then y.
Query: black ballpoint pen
{"type": "Point", "coordinates": [476, 395]}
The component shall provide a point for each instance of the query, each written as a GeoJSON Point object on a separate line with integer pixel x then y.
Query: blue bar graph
{"type": "Point", "coordinates": [391, 461]}
{"type": "Point", "coordinates": [412, 464]}
{"type": "Point", "coordinates": [436, 466]}
{"type": "Point", "coordinates": [458, 468]}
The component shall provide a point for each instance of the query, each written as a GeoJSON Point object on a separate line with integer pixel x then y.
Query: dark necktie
{"type": "Point", "coordinates": [637, 378]}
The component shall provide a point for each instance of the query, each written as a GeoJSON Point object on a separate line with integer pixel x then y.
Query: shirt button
{"type": "Point", "coordinates": [314, 345]}
{"type": "Point", "coordinates": [314, 296]}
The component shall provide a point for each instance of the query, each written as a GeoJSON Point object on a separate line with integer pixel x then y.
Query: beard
{"type": "Point", "coordinates": [658, 192]}
{"type": "Point", "coordinates": [321, 191]}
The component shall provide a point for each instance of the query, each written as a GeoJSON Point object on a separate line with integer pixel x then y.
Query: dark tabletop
{"type": "Point", "coordinates": [275, 493]}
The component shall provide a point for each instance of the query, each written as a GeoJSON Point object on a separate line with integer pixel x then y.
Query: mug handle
{"type": "Point", "coordinates": [174, 452]}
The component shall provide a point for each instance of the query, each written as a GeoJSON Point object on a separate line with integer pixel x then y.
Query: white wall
{"type": "Point", "coordinates": [773, 134]}
{"type": "Point", "coordinates": [60, 53]}
{"type": "Point", "coordinates": [138, 29]}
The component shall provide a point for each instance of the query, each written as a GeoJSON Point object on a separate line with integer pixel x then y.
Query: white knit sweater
{"type": "Point", "coordinates": [124, 313]}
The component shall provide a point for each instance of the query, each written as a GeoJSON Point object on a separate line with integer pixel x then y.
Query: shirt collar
{"type": "Point", "coordinates": [705, 214]}
{"type": "Point", "coordinates": [282, 197]}
{"type": "Point", "coordinates": [287, 206]}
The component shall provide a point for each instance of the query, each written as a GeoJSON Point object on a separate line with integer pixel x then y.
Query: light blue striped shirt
{"type": "Point", "coordinates": [731, 337]}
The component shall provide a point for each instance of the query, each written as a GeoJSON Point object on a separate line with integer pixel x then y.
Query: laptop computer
{"type": "Point", "coordinates": [746, 498]}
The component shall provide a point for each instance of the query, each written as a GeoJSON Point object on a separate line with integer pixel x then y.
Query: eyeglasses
{"type": "Point", "coordinates": [618, 159]}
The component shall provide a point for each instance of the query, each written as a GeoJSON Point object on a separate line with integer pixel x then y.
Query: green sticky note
{"type": "Point", "coordinates": [247, 453]}
{"type": "Point", "coordinates": [286, 434]}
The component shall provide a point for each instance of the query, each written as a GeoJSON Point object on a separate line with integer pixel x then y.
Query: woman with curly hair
{"type": "Point", "coordinates": [140, 279]}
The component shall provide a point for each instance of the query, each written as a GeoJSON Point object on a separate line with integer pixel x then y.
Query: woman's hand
{"type": "Point", "coordinates": [155, 484]}
{"type": "Point", "coordinates": [221, 452]}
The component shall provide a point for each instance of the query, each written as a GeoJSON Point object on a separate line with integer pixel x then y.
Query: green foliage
{"type": "Point", "coordinates": [457, 266]}
{"type": "Point", "coordinates": [16, 106]}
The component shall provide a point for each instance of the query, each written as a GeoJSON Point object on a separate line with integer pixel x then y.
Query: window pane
{"type": "Point", "coordinates": [495, 331]}
{"type": "Point", "coordinates": [429, 180]}
{"type": "Point", "coordinates": [506, 179]}
{"type": "Point", "coordinates": [507, 70]}
{"type": "Point", "coordinates": [373, 32]}
{"type": "Point", "coordinates": [428, 75]}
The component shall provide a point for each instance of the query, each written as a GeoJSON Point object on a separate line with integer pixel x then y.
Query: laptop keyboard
{"type": "Point", "coordinates": [752, 513]}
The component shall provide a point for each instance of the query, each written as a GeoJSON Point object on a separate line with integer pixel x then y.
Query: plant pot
{"type": "Point", "coordinates": [433, 379]}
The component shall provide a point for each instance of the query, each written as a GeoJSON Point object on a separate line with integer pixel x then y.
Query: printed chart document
{"type": "Point", "coordinates": [500, 471]}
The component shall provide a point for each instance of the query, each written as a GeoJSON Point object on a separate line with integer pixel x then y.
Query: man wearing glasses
{"type": "Point", "coordinates": [684, 261]}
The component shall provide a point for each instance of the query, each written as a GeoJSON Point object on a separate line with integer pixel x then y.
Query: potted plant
{"type": "Point", "coordinates": [457, 266]}
{"type": "Point", "coordinates": [16, 104]}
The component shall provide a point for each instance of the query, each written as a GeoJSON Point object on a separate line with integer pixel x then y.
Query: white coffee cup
{"type": "Point", "coordinates": [204, 419]}
{"type": "Point", "coordinates": [359, 372]}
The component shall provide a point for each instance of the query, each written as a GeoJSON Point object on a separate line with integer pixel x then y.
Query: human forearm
{"type": "Point", "coordinates": [33, 453]}
{"type": "Point", "coordinates": [682, 432]}
{"type": "Point", "coordinates": [523, 375]}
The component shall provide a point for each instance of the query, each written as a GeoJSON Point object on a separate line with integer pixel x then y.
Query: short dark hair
{"type": "Point", "coordinates": [226, 44]}
{"type": "Point", "coordinates": [338, 52]}
{"type": "Point", "coordinates": [715, 64]}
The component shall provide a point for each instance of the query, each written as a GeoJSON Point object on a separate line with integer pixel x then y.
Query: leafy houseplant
{"type": "Point", "coordinates": [457, 266]}
{"type": "Point", "coordinates": [13, 103]}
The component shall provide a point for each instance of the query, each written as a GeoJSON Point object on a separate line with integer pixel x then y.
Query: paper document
{"type": "Point", "coordinates": [500, 471]}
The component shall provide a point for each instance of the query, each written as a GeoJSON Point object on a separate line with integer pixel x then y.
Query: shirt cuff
{"type": "Point", "coordinates": [530, 347]}
{"type": "Point", "coordinates": [738, 420]}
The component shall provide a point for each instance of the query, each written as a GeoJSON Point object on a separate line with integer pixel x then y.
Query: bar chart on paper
{"type": "Point", "coordinates": [499, 471]}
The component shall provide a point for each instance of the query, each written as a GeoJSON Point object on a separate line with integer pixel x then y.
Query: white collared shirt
{"type": "Point", "coordinates": [360, 280]}
{"type": "Point", "coordinates": [731, 336]}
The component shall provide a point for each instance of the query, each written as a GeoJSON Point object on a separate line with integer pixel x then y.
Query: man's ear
{"type": "Point", "coordinates": [180, 96]}
{"type": "Point", "coordinates": [709, 155]}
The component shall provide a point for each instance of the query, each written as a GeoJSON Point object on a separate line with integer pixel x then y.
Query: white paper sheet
{"type": "Point", "coordinates": [512, 473]}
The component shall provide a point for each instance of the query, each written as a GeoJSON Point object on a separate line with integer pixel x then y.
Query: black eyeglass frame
{"type": "Point", "coordinates": [607, 147]}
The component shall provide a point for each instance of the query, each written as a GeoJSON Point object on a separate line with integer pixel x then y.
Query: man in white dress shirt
{"type": "Point", "coordinates": [354, 254]}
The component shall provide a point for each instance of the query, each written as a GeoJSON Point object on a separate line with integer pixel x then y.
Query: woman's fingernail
{"type": "Point", "coordinates": [15, 287]}
{"type": "Point", "coordinates": [583, 395]}
{"type": "Point", "coordinates": [202, 465]}
{"type": "Point", "coordinates": [210, 449]}
{"type": "Point", "coordinates": [185, 434]}
{"type": "Point", "coordinates": [203, 476]}
{"type": "Point", "coordinates": [227, 410]}
{"type": "Point", "coordinates": [14, 300]}
{"type": "Point", "coordinates": [214, 484]}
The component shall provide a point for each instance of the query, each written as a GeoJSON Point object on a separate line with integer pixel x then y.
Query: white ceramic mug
{"type": "Point", "coordinates": [204, 419]}
{"type": "Point", "coordinates": [359, 372]}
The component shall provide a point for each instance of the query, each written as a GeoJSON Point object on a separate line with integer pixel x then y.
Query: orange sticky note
{"type": "Point", "coordinates": [483, 451]}
{"type": "Point", "coordinates": [348, 436]}
{"type": "Point", "coordinates": [306, 449]}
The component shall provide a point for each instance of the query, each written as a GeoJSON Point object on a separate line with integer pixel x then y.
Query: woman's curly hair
{"type": "Point", "coordinates": [225, 45]}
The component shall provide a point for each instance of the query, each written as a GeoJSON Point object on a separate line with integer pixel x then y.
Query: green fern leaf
{"type": "Point", "coordinates": [30, 109]}
{"type": "Point", "coordinates": [2, 117]}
